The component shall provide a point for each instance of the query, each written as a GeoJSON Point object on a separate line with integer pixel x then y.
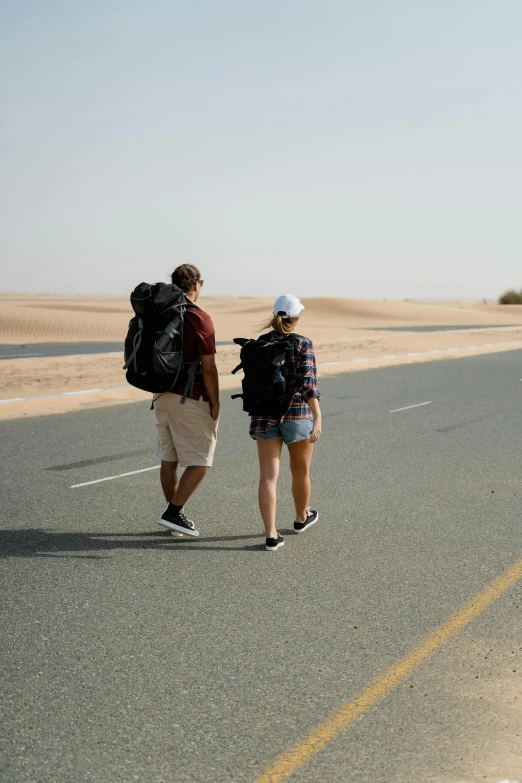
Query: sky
{"type": "Point", "coordinates": [368, 149]}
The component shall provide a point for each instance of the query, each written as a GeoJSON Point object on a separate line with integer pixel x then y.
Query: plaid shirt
{"type": "Point", "coordinates": [300, 369]}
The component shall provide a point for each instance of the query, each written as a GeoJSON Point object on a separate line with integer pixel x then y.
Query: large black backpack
{"type": "Point", "coordinates": [154, 344]}
{"type": "Point", "coordinates": [266, 392]}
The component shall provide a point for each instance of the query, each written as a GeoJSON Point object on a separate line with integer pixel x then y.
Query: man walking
{"type": "Point", "coordinates": [187, 431]}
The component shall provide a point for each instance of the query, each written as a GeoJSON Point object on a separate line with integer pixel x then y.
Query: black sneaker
{"type": "Point", "coordinates": [311, 519]}
{"type": "Point", "coordinates": [274, 543]}
{"type": "Point", "coordinates": [173, 532]}
{"type": "Point", "coordinates": [177, 520]}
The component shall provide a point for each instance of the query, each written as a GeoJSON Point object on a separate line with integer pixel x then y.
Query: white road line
{"type": "Point", "coordinates": [321, 364]}
{"type": "Point", "coordinates": [110, 478]}
{"type": "Point", "coordinates": [407, 407]}
{"type": "Point", "coordinates": [67, 394]}
{"type": "Point", "coordinates": [85, 391]}
{"type": "Point", "coordinates": [112, 389]}
{"type": "Point", "coordinates": [473, 329]}
{"type": "Point", "coordinates": [418, 353]}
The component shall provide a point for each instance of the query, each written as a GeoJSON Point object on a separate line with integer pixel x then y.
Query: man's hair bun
{"type": "Point", "coordinates": [186, 276]}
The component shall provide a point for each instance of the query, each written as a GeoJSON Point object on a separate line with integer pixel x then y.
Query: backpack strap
{"type": "Point", "coordinates": [196, 364]}
{"type": "Point", "coordinates": [170, 330]}
{"type": "Point", "coordinates": [242, 341]}
{"type": "Point", "coordinates": [189, 388]}
{"type": "Point", "coordinates": [135, 347]}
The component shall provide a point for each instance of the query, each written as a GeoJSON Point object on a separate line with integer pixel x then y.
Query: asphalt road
{"type": "Point", "coordinates": [131, 655]}
{"type": "Point", "coordinates": [39, 350]}
{"type": "Point", "coordinates": [439, 328]}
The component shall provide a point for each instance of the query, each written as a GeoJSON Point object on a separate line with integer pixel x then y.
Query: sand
{"type": "Point", "coordinates": [45, 318]}
{"type": "Point", "coordinates": [477, 688]}
{"type": "Point", "coordinates": [343, 330]}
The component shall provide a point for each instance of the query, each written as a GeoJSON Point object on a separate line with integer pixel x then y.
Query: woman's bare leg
{"type": "Point", "coordinates": [300, 459]}
{"type": "Point", "coordinates": [269, 453]}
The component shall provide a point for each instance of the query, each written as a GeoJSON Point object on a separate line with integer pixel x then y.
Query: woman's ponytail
{"type": "Point", "coordinates": [280, 324]}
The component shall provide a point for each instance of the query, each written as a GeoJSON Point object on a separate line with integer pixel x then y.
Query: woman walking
{"type": "Point", "coordinates": [299, 428]}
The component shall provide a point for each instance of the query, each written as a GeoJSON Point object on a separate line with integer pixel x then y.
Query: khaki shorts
{"type": "Point", "coordinates": [186, 433]}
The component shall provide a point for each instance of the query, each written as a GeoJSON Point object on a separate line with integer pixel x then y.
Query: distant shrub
{"type": "Point", "coordinates": [511, 297]}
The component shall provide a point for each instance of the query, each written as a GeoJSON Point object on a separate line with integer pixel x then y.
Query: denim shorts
{"type": "Point", "coordinates": [290, 431]}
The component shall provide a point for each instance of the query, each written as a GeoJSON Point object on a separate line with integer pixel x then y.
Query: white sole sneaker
{"type": "Point", "coordinates": [275, 547]}
{"type": "Point", "coordinates": [308, 524]}
{"type": "Point", "coordinates": [185, 531]}
{"type": "Point", "coordinates": [173, 532]}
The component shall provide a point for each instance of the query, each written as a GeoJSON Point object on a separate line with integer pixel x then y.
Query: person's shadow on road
{"type": "Point", "coordinates": [32, 542]}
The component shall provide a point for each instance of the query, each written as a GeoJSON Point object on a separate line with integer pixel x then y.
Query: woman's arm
{"type": "Point", "coordinates": [313, 402]}
{"type": "Point", "coordinates": [307, 371]}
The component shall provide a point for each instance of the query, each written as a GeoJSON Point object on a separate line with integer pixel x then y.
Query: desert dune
{"type": "Point", "coordinates": [44, 318]}
{"type": "Point", "coordinates": [349, 335]}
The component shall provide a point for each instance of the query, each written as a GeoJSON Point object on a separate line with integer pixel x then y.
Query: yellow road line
{"type": "Point", "coordinates": [354, 709]}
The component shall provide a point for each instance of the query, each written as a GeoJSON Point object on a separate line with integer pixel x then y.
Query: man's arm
{"type": "Point", "coordinates": [211, 381]}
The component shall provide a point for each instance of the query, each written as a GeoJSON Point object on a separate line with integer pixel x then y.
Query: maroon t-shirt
{"type": "Point", "coordinates": [199, 339]}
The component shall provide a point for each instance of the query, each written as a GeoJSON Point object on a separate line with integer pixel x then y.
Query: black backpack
{"type": "Point", "coordinates": [154, 343]}
{"type": "Point", "coordinates": [266, 392]}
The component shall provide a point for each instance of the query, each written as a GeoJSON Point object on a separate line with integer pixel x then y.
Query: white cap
{"type": "Point", "coordinates": [289, 305]}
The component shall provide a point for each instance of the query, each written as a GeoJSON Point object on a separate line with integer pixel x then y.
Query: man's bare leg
{"type": "Point", "coordinates": [169, 479]}
{"type": "Point", "coordinates": [189, 482]}
{"type": "Point", "coordinates": [174, 516]}
{"type": "Point", "coordinates": [169, 484]}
